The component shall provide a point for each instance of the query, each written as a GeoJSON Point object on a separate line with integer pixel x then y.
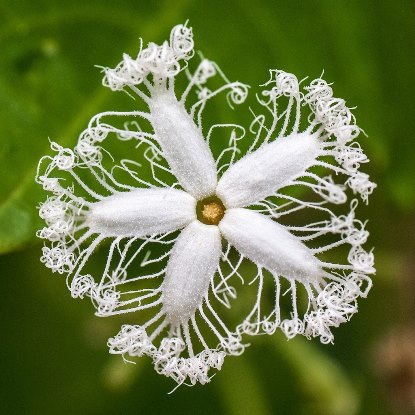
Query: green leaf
{"type": "Point", "coordinates": [240, 388]}
{"type": "Point", "coordinates": [325, 383]}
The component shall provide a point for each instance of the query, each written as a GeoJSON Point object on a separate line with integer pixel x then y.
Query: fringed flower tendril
{"type": "Point", "coordinates": [209, 217]}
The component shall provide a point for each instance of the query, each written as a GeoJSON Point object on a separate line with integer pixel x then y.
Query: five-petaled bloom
{"type": "Point", "coordinates": [209, 218]}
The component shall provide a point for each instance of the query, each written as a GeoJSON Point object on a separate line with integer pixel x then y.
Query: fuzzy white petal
{"type": "Point", "coordinates": [141, 212]}
{"type": "Point", "coordinates": [269, 245]}
{"type": "Point", "coordinates": [271, 167]}
{"type": "Point", "coordinates": [183, 145]}
{"type": "Point", "coordinates": [192, 264]}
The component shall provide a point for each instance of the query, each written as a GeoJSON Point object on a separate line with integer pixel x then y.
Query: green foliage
{"type": "Point", "coordinates": [49, 88]}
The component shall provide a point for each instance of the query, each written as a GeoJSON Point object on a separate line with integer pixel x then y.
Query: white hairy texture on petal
{"type": "Point", "coordinates": [141, 212]}
{"type": "Point", "coordinates": [269, 244]}
{"type": "Point", "coordinates": [192, 264]}
{"type": "Point", "coordinates": [261, 173]}
{"type": "Point", "coordinates": [183, 145]}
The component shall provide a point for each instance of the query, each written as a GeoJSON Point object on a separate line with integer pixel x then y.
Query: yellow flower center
{"type": "Point", "coordinates": [210, 211]}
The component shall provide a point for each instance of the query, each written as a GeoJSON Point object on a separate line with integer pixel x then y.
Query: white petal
{"type": "Point", "coordinates": [271, 167]}
{"type": "Point", "coordinates": [192, 264]}
{"type": "Point", "coordinates": [269, 244]}
{"type": "Point", "coordinates": [183, 145]}
{"type": "Point", "coordinates": [141, 212]}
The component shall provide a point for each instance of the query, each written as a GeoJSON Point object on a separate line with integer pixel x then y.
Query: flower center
{"type": "Point", "coordinates": [210, 211]}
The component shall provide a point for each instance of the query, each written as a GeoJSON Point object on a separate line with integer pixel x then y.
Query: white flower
{"type": "Point", "coordinates": [207, 216]}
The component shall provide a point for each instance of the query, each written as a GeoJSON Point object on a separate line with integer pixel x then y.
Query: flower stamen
{"type": "Point", "coordinates": [210, 211]}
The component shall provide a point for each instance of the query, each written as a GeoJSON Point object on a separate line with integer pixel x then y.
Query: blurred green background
{"type": "Point", "coordinates": [54, 358]}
